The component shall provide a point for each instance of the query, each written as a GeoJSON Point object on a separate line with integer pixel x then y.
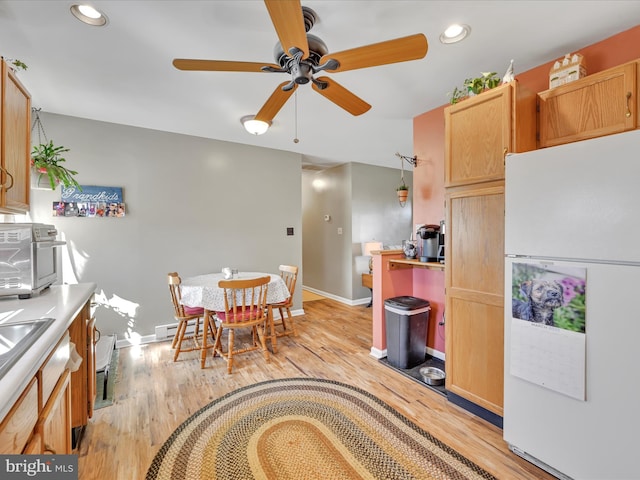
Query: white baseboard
{"type": "Point", "coordinates": [166, 332]}
{"type": "Point", "coordinates": [435, 353]}
{"type": "Point", "coordinates": [346, 301]}
{"type": "Point", "coordinates": [143, 339]}
{"type": "Point", "coordinates": [377, 353]}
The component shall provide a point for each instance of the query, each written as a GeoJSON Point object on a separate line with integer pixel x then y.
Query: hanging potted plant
{"type": "Point", "coordinates": [46, 159]}
{"type": "Point", "coordinates": [403, 193]}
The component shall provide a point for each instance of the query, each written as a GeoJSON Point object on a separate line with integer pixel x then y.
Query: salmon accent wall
{"type": "Point", "coordinates": [618, 49]}
{"type": "Point", "coordinates": [428, 207]}
{"type": "Point", "coordinates": [428, 185]}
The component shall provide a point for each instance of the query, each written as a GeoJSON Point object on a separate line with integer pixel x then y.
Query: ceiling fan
{"type": "Point", "coordinates": [303, 55]}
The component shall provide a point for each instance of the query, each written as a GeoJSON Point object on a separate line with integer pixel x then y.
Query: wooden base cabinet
{"type": "Point", "coordinates": [54, 426]}
{"type": "Point", "coordinates": [83, 380]}
{"type": "Point", "coordinates": [479, 132]}
{"type": "Point", "coordinates": [474, 296]}
{"type": "Point", "coordinates": [17, 426]}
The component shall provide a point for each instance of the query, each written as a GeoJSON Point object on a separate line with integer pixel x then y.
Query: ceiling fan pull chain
{"type": "Point", "coordinates": [295, 113]}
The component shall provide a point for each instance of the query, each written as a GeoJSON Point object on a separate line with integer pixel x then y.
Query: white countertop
{"type": "Point", "coordinates": [62, 302]}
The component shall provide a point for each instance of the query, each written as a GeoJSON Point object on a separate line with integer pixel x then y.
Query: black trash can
{"type": "Point", "coordinates": [406, 321]}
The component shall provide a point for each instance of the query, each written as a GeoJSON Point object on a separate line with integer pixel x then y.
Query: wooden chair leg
{"type": "Point", "coordinates": [212, 330]}
{"type": "Point", "coordinates": [263, 341]}
{"type": "Point", "coordinates": [273, 337]}
{"type": "Point", "coordinates": [217, 346]}
{"type": "Point", "coordinates": [203, 346]}
{"type": "Point", "coordinates": [182, 327]}
{"type": "Point", "coordinates": [282, 319]}
{"type": "Point", "coordinates": [175, 337]}
{"type": "Point", "coordinates": [230, 351]}
{"type": "Point", "coordinates": [292, 323]}
{"type": "Point", "coordinates": [196, 333]}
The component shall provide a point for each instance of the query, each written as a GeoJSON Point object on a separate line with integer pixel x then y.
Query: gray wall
{"type": "Point", "coordinates": [360, 199]}
{"type": "Point", "coordinates": [194, 206]}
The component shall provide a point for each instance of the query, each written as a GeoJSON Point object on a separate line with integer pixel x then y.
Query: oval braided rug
{"type": "Point", "coordinates": [305, 429]}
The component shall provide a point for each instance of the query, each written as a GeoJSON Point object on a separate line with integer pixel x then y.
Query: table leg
{"type": "Point", "coordinates": [370, 301]}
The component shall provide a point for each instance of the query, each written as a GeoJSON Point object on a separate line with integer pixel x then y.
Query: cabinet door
{"type": "Point", "coordinates": [481, 130]}
{"type": "Point", "coordinates": [599, 104]}
{"type": "Point", "coordinates": [34, 447]}
{"type": "Point", "coordinates": [54, 425]}
{"type": "Point", "coordinates": [15, 144]}
{"type": "Point", "coordinates": [82, 404]}
{"type": "Point", "coordinates": [477, 136]}
{"type": "Point", "coordinates": [91, 365]}
{"type": "Point", "coordinates": [474, 277]}
{"type": "Point", "coordinates": [17, 426]}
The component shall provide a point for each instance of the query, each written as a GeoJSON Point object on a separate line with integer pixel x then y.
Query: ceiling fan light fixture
{"type": "Point", "coordinates": [253, 126]}
{"type": "Point", "coordinates": [89, 15]}
{"type": "Point", "coordinates": [455, 33]}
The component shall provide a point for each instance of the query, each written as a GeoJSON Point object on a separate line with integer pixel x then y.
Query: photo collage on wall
{"type": "Point", "coordinates": [92, 201]}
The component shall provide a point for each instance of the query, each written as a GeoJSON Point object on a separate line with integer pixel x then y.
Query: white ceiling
{"type": "Point", "coordinates": [122, 73]}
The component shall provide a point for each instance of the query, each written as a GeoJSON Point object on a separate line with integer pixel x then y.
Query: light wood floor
{"type": "Point", "coordinates": [154, 395]}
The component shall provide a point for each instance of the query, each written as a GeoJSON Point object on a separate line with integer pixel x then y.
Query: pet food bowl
{"type": "Point", "coordinates": [432, 375]}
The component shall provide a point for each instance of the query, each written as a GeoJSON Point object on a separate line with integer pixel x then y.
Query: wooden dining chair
{"type": "Point", "coordinates": [289, 274]}
{"type": "Point", "coordinates": [186, 317]}
{"type": "Point", "coordinates": [245, 305]}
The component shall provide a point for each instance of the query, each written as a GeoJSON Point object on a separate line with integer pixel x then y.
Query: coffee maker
{"type": "Point", "coordinates": [429, 238]}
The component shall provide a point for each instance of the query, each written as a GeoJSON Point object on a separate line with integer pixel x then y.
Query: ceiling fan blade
{"type": "Point", "coordinates": [289, 24]}
{"type": "Point", "coordinates": [341, 96]}
{"type": "Point", "coordinates": [275, 102]}
{"type": "Point", "coordinates": [402, 49]}
{"type": "Point", "coordinates": [220, 65]}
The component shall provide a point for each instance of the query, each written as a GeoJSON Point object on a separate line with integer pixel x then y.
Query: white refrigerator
{"type": "Point", "coordinates": [572, 308]}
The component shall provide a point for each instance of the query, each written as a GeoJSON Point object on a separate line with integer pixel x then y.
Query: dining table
{"type": "Point", "coordinates": [203, 291]}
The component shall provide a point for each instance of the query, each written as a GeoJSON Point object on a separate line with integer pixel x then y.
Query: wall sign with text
{"type": "Point", "coordinates": [92, 201]}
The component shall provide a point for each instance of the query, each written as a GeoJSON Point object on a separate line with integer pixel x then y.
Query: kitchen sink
{"type": "Point", "coordinates": [16, 338]}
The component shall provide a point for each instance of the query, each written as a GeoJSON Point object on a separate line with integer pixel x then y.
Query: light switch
{"type": "Point", "coordinates": [339, 230]}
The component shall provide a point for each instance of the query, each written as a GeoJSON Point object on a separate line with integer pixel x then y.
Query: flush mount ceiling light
{"type": "Point", "coordinates": [455, 33]}
{"type": "Point", "coordinates": [253, 126]}
{"type": "Point", "coordinates": [89, 15]}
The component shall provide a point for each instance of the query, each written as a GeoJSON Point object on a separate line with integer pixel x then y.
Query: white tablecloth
{"type": "Point", "coordinates": [203, 290]}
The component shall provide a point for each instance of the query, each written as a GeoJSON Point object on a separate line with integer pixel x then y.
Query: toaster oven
{"type": "Point", "coordinates": [28, 258]}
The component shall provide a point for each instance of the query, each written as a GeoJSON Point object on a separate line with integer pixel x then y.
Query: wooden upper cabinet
{"type": "Point", "coordinates": [599, 104]}
{"type": "Point", "coordinates": [15, 143]}
{"type": "Point", "coordinates": [481, 130]}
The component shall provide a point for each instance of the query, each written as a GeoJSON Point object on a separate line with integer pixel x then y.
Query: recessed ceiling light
{"type": "Point", "coordinates": [455, 33]}
{"type": "Point", "coordinates": [89, 15]}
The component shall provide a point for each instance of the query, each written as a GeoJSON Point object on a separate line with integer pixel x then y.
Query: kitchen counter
{"type": "Point", "coordinates": [62, 302]}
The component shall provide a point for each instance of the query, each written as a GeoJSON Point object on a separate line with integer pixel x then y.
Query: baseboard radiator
{"type": "Point", "coordinates": [165, 332]}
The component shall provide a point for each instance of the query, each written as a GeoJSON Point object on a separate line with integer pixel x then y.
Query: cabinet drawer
{"type": "Point", "coordinates": [50, 372]}
{"type": "Point", "coordinates": [17, 426]}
